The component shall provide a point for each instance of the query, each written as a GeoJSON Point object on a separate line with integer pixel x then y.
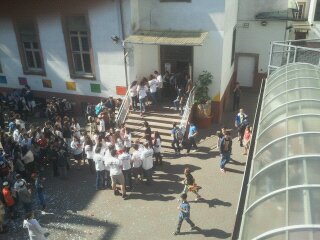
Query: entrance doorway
{"type": "Point", "coordinates": [246, 67]}
{"type": "Point", "coordinates": [176, 59]}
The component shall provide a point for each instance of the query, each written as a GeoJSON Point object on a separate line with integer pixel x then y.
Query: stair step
{"type": "Point", "coordinates": [162, 132]}
{"type": "Point", "coordinates": [163, 137]}
{"type": "Point", "coordinates": [152, 124]}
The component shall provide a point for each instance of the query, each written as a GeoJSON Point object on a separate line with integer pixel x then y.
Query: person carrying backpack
{"type": "Point", "coordinates": [225, 150]}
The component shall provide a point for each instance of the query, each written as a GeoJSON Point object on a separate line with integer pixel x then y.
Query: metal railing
{"type": "Point", "coordinates": [283, 53]}
{"type": "Point", "coordinates": [123, 110]}
{"type": "Point", "coordinates": [187, 111]}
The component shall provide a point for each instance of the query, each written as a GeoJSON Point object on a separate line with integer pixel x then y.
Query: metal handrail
{"type": "Point", "coordinates": [187, 111]}
{"type": "Point", "coordinates": [124, 109]}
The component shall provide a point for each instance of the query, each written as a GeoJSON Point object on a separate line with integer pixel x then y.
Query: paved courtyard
{"type": "Point", "coordinates": [77, 211]}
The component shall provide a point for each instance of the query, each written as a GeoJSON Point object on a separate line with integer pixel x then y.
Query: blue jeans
{"type": "Point", "coordinates": [127, 177]}
{"type": "Point", "coordinates": [148, 175]}
{"type": "Point", "coordinates": [41, 198]}
{"type": "Point", "coordinates": [225, 158]}
{"type": "Point", "coordinates": [100, 183]}
{"type": "Point", "coordinates": [154, 98]}
{"type": "Point", "coordinates": [142, 105]}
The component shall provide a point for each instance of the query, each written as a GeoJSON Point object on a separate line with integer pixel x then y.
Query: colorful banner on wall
{"type": "Point", "coordinates": [121, 90]}
{"type": "Point", "coordinates": [71, 86]}
{"type": "Point", "coordinates": [46, 83]}
{"type": "Point", "coordinates": [23, 80]}
{"type": "Point", "coordinates": [3, 79]}
{"type": "Point", "coordinates": [95, 88]}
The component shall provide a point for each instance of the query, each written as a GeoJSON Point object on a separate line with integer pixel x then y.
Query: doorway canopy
{"type": "Point", "coordinates": [283, 195]}
{"type": "Point", "coordinates": [177, 38]}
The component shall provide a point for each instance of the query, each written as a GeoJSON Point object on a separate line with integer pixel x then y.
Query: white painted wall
{"type": "Point", "coordinates": [256, 39]}
{"type": "Point", "coordinates": [108, 57]}
{"type": "Point", "coordinates": [146, 60]}
{"type": "Point", "coordinates": [249, 8]}
{"type": "Point", "coordinates": [208, 57]}
{"type": "Point", "coordinates": [230, 23]}
{"type": "Point", "coordinates": [205, 15]}
{"type": "Point", "coordinates": [9, 54]}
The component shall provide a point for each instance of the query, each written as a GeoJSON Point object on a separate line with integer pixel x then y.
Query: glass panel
{"type": "Point", "coordinates": [30, 62]}
{"type": "Point", "coordinates": [85, 43]}
{"type": "Point", "coordinates": [38, 59]}
{"type": "Point", "coordinates": [266, 216]}
{"type": "Point", "coordinates": [35, 45]}
{"type": "Point", "coordinates": [77, 62]}
{"type": "Point", "coordinates": [271, 179]}
{"type": "Point", "coordinates": [303, 144]}
{"type": "Point", "coordinates": [275, 91]}
{"type": "Point", "coordinates": [75, 44]}
{"type": "Point", "coordinates": [315, 206]}
{"type": "Point", "coordinates": [294, 125]}
{"type": "Point", "coordinates": [276, 102]}
{"type": "Point", "coordinates": [316, 234]}
{"type": "Point", "coordinates": [86, 63]}
{"type": "Point", "coordinates": [309, 93]}
{"type": "Point", "coordinates": [296, 207]}
{"type": "Point", "coordinates": [313, 170]}
{"type": "Point", "coordinates": [274, 132]}
{"type": "Point", "coordinates": [296, 172]}
{"type": "Point", "coordinates": [311, 123]}
{"type": "Point", "coordinates": [270, 154]}
{"type": "Point", "coordinates": [299, 235]}
{"type": "Point", "coordinates": [27, 45]}
{"type": "Point", "coordinates": [76, 22]}
{"type": "Point", "coordinates": [274, 116]}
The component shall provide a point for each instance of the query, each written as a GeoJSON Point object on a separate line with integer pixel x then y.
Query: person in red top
{"type": "Point", "coordinates": [8, 199]}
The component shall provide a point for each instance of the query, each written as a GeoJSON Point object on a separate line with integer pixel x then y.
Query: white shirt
{"type": "Point", "coordinates": [88, 151]}
{"type": "Point", "coordinates": [102, 126]}
{"type": "Point", "coordinates": [136, 159]}
{"type": "Point", "coordinates": [153, 85]}
{"type": "Point", "coordinates": [142, 92]}
{"type": "Point", "coordinates": [146, 156]}
{"type": "Point", "coordinates": [160, 81]}
{"type": "Point", "coordinates": [115, 165]}
{"type": "Point", "coordinates": [125, 158]}
{"type": "Point", "coordinates": [28, 157]}
{"type": "Point", "coordinates": [134, 91]}
{"type": "Point", "coordinates": [34, 229]}
{"type": "Point", "coordinates": [76, 147]}
{"type": "Point", "coordinates": [98, 160]}
{"type": "Point", "coordinates": [21, 123]}
{"type": "Point", "coordinates": [127, 140]}
{"type": "Point", "coordinates": [16, 135]}
{"type": "Point", "coordinates": [76, 130]}
{"type": "Point", "coordinates": [157, 146]}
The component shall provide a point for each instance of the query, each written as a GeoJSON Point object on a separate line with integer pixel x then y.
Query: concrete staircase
{"type": "Point", "coordinates": [160, 120]}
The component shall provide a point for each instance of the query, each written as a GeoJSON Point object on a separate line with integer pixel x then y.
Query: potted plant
{"type": "Point", "coordinates": [202, 100]}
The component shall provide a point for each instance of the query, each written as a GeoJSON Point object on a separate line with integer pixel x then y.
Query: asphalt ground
{"type": "Point", "coordinates": [77, 211]}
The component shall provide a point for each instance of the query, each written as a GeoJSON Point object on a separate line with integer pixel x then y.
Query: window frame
{"type": "Point", "coordinates": [23, 50]}
{"type": "Point", "coordinates": [302, 12]}
{"type": "Point", "coordinates": [67, 38]}
{"type": "Point", "coordinates": [177, 1]}
{"type": "Point", "coordinates": [1, 69]}
{"type": "Point", "coordinates": [233, 46]}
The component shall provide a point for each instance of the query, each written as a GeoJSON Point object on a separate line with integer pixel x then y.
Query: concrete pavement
{"type": "Point", "coordinates": [77, 211]}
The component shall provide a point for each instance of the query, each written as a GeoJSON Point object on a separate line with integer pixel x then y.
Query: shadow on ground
{"type": "Point", "coordinates": [214, 232]}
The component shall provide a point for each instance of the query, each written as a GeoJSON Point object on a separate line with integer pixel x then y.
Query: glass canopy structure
{"type": "Point", "coordinates": [283, 197]}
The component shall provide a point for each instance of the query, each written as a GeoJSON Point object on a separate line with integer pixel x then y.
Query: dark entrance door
{"type": "Point", "coordinates": [176, 59]}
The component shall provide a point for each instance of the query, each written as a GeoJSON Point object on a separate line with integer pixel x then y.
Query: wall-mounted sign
{"type": "Point", "coordinates": [23, 80]}
{"type": "Point", "coordinates": [3, 79]}
{"type": "Point", "coordinates": [46, 83]}
{"type": "Point", "coordinates": [121, 90]}
{"type": "Point", "coordinates": [95, 88]}
{"type": "Point", "coordinates": [71, 86]}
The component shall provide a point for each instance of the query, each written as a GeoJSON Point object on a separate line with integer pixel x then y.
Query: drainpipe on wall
{"type": "Point", "coordinates": [125, 53]}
